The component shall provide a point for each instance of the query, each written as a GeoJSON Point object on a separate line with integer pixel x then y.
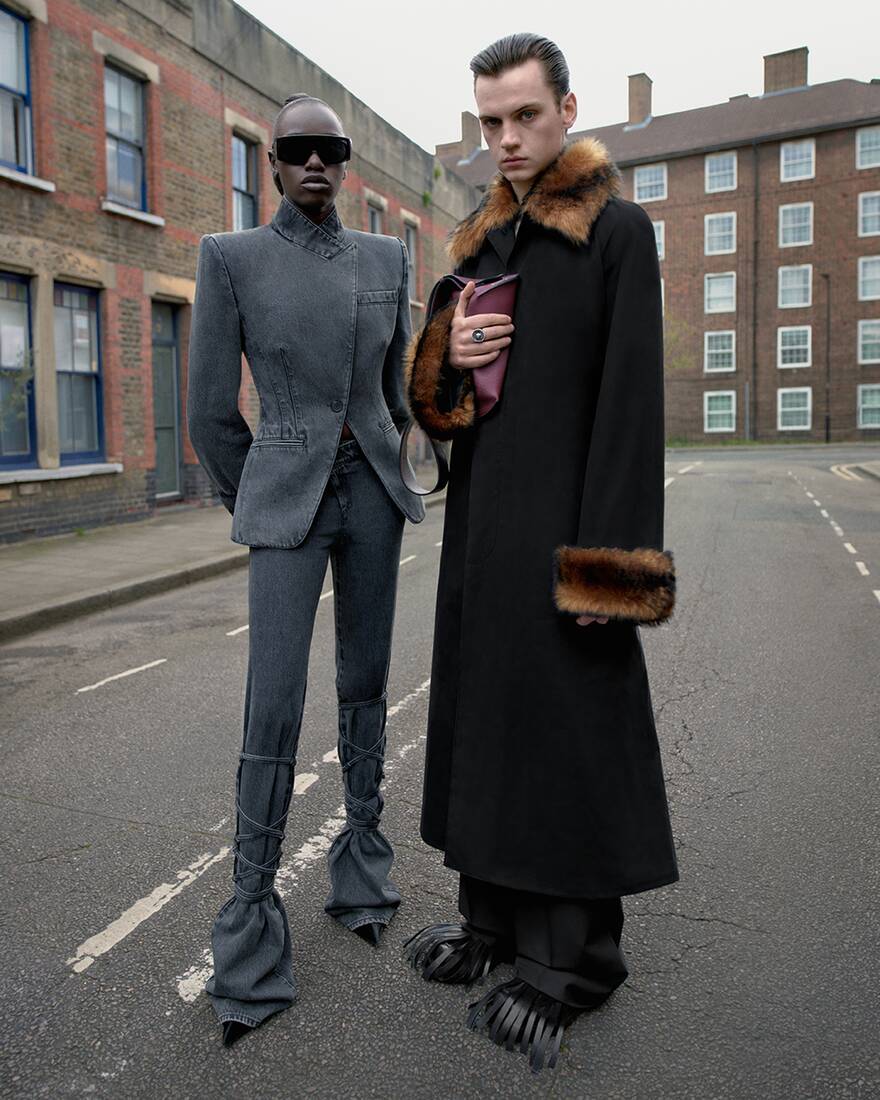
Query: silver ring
{"type": "Point", "coordinates": [478, 336]}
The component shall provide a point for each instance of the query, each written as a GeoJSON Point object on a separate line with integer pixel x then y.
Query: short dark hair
{"type": "Point", "coordinates": [516, 49]}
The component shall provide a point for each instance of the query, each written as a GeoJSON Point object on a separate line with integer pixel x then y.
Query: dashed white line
{"type": "Point", "coordinates": [823, 513]}
{"type": "Point", "coordinates": [685, 469]}
{"type": "Point", "coordinates": [668, 482]}
{"type": "Point", "coordinates": [303, 781]}
{"type": "Point", "coordinates": [809, 494]}
{"type": "Point", "coordinates": [863, 569]}
{"type": "Point", "coordinates": [877, 594]}
{"type": "Point", "coordinates": [122, 675]}
{"type": "Point", "coordinates": [326, 595]}
{"type": "Point", "coordinates": [216, 828]}
{"type": "Point", "coordinates": [330, 756]}
{"type": "Point", "coordinates": [439, 543]}
{"type": "Point", "coordinates": [818, 503]}
{"type": "Point", "coordinates": [403, 561]}
{"type": "Point", "coordinates": [850, 547]}
{"type": "Point", "coordinates": [238, 630]}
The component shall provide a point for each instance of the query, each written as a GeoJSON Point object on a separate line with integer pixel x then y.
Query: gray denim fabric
{"type": "Point", "coordinates": [322, 314]}
{"type": "Point", "coordinates": [359, 528]}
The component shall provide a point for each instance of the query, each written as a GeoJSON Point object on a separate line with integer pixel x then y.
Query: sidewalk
{"type": "Point", "coordinates": [872, 469]}
{"type": "Point", "coordinates": [47, 581]}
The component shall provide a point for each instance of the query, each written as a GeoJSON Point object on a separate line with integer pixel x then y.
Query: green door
{"type": "Point", "coordinates": [166, 400]}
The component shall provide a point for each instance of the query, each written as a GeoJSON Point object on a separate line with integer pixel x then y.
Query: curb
{"type": "Point", "coordinates": [868, 473]}
{"type": "Point", "coordinates": [38, 617]}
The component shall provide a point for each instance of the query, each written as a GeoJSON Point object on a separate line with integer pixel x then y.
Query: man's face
{"type": "Point", "coordinates": [523, 125]}
{"type": "Point", "coordinates": [313, 185]}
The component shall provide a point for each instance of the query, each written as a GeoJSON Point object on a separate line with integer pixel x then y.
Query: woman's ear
{"type": "Point", "coordinates": [276, 179]}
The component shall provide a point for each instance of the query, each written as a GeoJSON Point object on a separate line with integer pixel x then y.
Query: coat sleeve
{"type": "Point", "coordinates": [219, 433]}
{"type": "Point", "coordinates": [392, 371]}
{"type": "Point", "coordinates": [619, 567]}
{"type": "Point", "coordinates": [440, 397]}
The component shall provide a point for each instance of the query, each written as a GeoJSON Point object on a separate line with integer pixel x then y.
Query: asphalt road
{"type": "Point", "coordinates": [755, 976]}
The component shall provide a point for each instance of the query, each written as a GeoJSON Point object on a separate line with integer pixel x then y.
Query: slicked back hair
{"type": "Point", "coordinates": [304, 97]}
{"type": "Point", "coordinates": [516, 49]}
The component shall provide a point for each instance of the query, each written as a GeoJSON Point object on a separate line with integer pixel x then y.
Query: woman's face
{"type": "Point", "coordinates": [313, 186]}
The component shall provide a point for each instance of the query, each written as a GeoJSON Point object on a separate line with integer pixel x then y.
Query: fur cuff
{"type": "Point", "coordinates": [630, 585]}
{"type": "Point", "coordinates": [426, 376]}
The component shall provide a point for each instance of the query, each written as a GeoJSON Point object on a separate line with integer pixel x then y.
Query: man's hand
{"type": "Point", "coordinates": [585, 620]}
{"type": "Point", "coordinates": [464, 352]}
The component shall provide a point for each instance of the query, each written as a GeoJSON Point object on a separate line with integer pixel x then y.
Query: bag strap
{"type": "Point", "coordinates": [407, 473]}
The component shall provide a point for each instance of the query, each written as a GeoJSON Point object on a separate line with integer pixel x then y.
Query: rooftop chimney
{"type": "Point", "coordinates": [785, 70]}
{"type": "Point", "coordinates": [639, 98]}
{"type": "Point", "coordinates": [471, 138]}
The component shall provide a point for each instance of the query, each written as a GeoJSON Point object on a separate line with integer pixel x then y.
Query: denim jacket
{"type": "Point", "coordinates": [321, 313]}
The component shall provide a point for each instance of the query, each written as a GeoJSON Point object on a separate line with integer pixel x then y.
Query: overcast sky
{"type": "Point", "coordinates": [409, 61]}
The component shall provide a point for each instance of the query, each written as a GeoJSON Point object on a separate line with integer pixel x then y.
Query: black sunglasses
{"type": "Point", "coordinates": [297, 148]}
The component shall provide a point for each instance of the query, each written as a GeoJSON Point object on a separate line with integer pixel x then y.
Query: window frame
{"type": "Point", "coordinates": [808, 390]}
{"type": "Point", "coordinates": [867, 195]}
{"type": "Point", "coordinates": [653, 198]}
{"type": "Point", "coordinates": [780, 329]}
{"type": "Point", "coordinates": [859, 132]}
{"type": "Point", "coordinates": [29, 459]}
{"type": "Point", "coordinates": [794, 305]}
{"type": "Point", "coordinates": [715, 275]}
{"type": "Point", "coordinates": [860, 408]}
{"type": "Point", "coordinates": [707, 218]}
{"type": "Point", "coordinates": [412, 256]}
{"type": "Point", "coordinates": [713, 156]}
{"type": "Point", "coordinates": [375, 211]}
{"type": "Point", "coordinates": [719, 332]}
{"type": "Point", "coordinates": [862, 261]}
{"type": "Point", "coordinates": [75, 458]}
{"type": "Point", "coordinates": [28, 168]}
{"type": "Point", "coordinates": [718, 393]}
{"type": "Point", "coordinates": [860, 340]}
{"type": "Point", "coordinates": [251, 168]}
{"type": "Point", "coordinates": [783, 145]}
{"type": "Point", "coordinates": [795, 206]}
{"type": "Point", "coordinates": [660, 240]}
{"type": "Point", "coordinates": [142, 82]}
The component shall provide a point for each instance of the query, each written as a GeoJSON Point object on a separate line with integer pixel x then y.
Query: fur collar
{"type": "Point", "coordinates": [568, 197]}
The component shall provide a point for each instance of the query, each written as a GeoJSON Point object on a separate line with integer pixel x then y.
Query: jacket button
{"type": "Point", "coordinates": [336, 406]}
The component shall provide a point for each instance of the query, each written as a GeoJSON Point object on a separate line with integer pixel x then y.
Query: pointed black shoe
{"type": "Point", "coordinates": [451, 953]}
{"type": "Point", "coordinates": [514, 1014]}
{"type": "Point", "coordinates": [233, 1031]}
{"type": "Point", "coordinates": [371, 932]}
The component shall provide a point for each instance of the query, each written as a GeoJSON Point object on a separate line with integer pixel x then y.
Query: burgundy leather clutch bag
{"type": "Point", "coordinates": [494, 295]}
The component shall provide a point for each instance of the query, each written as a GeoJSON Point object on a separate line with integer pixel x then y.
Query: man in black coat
{"type": "Point", "coordinates": [543, 781]}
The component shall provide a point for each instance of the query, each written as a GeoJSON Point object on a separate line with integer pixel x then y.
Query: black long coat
{"type": "Point", "coordinates": [543, 768]}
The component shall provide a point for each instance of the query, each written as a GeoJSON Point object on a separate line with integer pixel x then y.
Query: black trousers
{"type": "Point", "coordinates": [568, 948]}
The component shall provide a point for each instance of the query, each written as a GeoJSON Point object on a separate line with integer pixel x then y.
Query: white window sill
{"type": "Point", "coordinates": [12, 477]}
{"type": "Point", "coordinates": [25, 180]}
{"type": "Point", "coordinates": [130, 212]}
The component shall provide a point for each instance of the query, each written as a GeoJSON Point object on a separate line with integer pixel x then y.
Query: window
{"type": "Point", "coordinates": [719, 351]}
{"type": "Point", "coordinates": [719, 292]}
{"type": "Point", "coordinates": [720, 172]}
{"type": "Point", "coordinates": [374, 218]}
{"type": "Point", "coordinates": [719, 233]}
{"type": "Point", "coordinates": [794, 346]}
{"type": "Point", "coordinates": [649, 182]}
{"type": "Point", "coordinates": [124, 111]}
{"type": "Point", "coordinates": [869, 278]}
{"type": "Point", "coordinates": [17, 429]}
{"type": "Point", "coordinates": [411, 240]}
{"type": "Point", "coordinates": [868, 147]}
{"type": "Point", "coordinates": [15, 100]}
{"type": "Point", "coordinates": [869, 341]}
{"type": "Point", "coordinates": [244, 183]}
{"type": "Point", "coordinates": [78, 369]}
{"type": "Point", "coordinates": [869, 213]}
{"type": "Point", "coordinates": [719, 411]}
{"type": "Point", "coordinates": [797, 160]}
{"type": "Point", "coordinates": [795, 286]}
{"type": "Point", "coordinates": [869, 406]}
{"type": "Point", "coordinates": [662, 296]}
{"type": "Point", "coordinates": [660, 238]}
{"type": "Point", "coordinates": [794, 409]}
{"type": "Point", "coordinates": [795, 224]}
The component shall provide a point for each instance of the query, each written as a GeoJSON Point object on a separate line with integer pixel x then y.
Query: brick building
{"type": "Point", "coordinates": [126, 132]}
{"type": "Point", "coordinates": [767, 215]}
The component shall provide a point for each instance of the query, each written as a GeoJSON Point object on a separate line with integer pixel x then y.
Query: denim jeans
{"type": "Point", "coordinates": [359, 528]}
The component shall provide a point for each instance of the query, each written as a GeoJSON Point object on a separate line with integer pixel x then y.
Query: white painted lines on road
{"type": "Point", "coordinates": [849, 546]}
{"type": "Point", "coordinates": [810, 495]}
{"type": "Point", "coordinates": [438, 543]}
{"type": "Point", "coordinates": [328, 757]}
{"type": "Point", "coordinates": [668, 482]}
{"type": "Point", "coordinates": [303, 781]}
{"type": "Point", "coordinates": [818, 503]}
{"type": "Point", "coordinates": [824, 513]}
{"type": "Point", "coordinates": [122, 675]}
{"type": "Point", "coordinates": [238, 630]}
{"type": "Point", "coordinates": [142, 910]}
{"type": "Point", "coordinates": [863, 569]}
{"type": "Point", "coordinates": [326, 595]}
{"type": "Point", "coordinates": [845, 472]}
{"type": "Point", "coordinates": [412, 557]}
{"type": "Point", "coordinates": [877, 594]}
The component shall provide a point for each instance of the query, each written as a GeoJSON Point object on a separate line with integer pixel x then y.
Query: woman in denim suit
{"type": "Point", "coordinates": [322, 314]}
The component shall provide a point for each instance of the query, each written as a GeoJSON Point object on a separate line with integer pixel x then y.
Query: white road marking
{"type": "Point", "coordinates": [122, 675]}
{"type": "Point", "coordinates": [403, 561]}
{"type": "Point", "coordinates": [326, 595]}
{"type": "Point", "coordinates": [668, 482]}
{"type": "Point", "coordinates": [823, 513]}
{"type": "Point", "coordinates": [330, 756]}
{"type": "Point", "coordinates": [863, 569]}
{"type": "Point", "coordinates": [136, 914]}
{"type": "Point", "coordinates": [238, 630]}
{"type": "Point", "coordinates": [685, 469]}
{"type": "Point", "coordinates": [877, 594]}
{"type": "Point", "coordinates": [303, 781]}
{"type": "Point", "coordinates": [809, 494]}
{"type": "Point", "coordinates": [438, 543]}
{"type": "Point", "coordinates": [818, 503]}
{"type": "Point", "coordinates": [216, 828]}
{"type": "Point", "coordinates": [846, 472]}
{"type": "Point", "coordinates": [837, 529]}
{"type": "Point", "coordinates": [192, 981]}
{"type": "Point", "coordinates": [850, 547]}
